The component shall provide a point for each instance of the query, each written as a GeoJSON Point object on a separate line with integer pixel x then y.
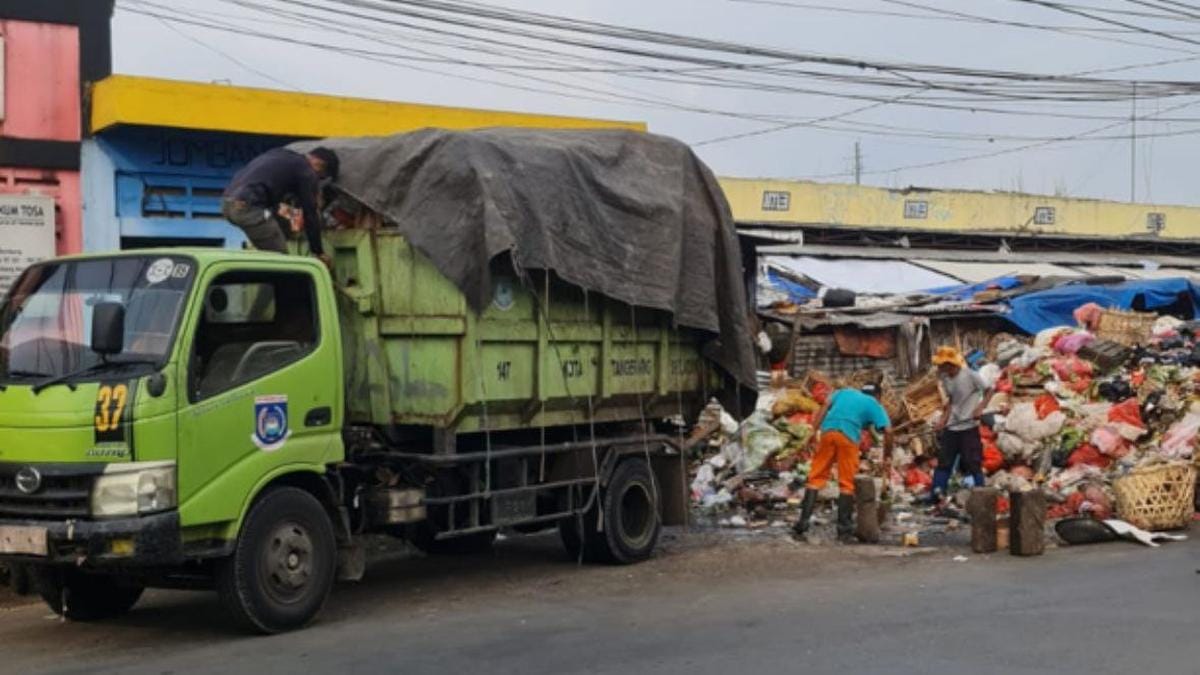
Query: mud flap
{"type": "Point", "coordinates": [670, 478]}
{"type": "Point", "coordinates": [351, 562]}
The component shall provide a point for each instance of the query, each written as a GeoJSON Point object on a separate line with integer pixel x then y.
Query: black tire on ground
{"type": "Point", "coordinates": [283, 565]}
{"type": "Point", "coordinates": [88, 597]}
{"type": "Point", "coordinates": [631, 524]}
{"type": "Point", "coordinates": [631, 521]}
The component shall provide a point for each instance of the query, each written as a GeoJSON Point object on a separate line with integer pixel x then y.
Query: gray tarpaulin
{"type": "Point", "coordinates": [633, 216]}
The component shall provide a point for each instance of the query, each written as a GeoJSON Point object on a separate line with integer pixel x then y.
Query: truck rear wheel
{"type": "Point", "coordinates": [283, 565]}
{"type": "Point", "coordinates": [87, 597]}
{"type": "Point", "coordinates": [631, 524]}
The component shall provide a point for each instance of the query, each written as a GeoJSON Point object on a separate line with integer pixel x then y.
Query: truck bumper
{"type": "Point", "coordinates": [124, 542]}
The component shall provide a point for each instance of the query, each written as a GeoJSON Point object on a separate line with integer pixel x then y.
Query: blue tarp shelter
{"type": "Point", "coordinates": [968, 291]}
{"type": "Point", "coordinates": [797, 293]}
{"type": "Point", "coordinates": [1037, 311]}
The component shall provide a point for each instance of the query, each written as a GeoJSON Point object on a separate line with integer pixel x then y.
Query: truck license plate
{"type": "Point", "coordinates": [514, 508]}
{"type": "Point", "coordinates": [23, 540]}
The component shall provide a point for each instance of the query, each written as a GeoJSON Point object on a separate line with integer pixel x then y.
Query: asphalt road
{"type": "Point", "coordinates": [740, 607]}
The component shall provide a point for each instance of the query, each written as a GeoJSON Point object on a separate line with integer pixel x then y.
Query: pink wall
{"type": "Point", "coordinates": [41, 81]}
{"type": "Point", "coordinates": [41, 101]}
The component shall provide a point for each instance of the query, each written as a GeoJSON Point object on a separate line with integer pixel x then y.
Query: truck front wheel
{"type": "Point", "coordinates": [85, 597]}
{"type": "Point", "coordinates": [283, 565]}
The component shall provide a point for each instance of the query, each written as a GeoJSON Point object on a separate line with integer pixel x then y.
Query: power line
{"type": "Point", "coordinates": [1069, 10]}
{"type": "Point", "coordinates": [1007, 151]}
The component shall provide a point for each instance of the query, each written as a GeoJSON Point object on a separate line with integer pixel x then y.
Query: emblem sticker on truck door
{"type": "Point", "coordinates": [270, 422]}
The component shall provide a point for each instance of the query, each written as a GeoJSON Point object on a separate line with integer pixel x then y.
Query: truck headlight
{"type": "Point", "coordinates": [134, 488]}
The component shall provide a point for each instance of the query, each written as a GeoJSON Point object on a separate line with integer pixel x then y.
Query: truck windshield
{"type": "Point", "coordinates": [45, 320]}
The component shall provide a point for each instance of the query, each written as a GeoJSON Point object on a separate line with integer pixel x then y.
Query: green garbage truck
{"type": "Point", "coordinates": [238, 421]}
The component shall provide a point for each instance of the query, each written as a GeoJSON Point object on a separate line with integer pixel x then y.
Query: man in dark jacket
{"type": "Point", "coordinates": [279, 176]}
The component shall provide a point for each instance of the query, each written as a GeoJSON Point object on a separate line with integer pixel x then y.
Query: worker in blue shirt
{"type": "Point", "coordinates": [840, 424]}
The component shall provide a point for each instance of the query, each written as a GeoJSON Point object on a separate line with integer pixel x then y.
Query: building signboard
{"type": "Point", "coordinates": [26, 234]}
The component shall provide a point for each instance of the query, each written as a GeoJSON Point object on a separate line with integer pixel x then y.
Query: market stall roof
{"type": "Point", "coordinates": [975, 272]}
{"type": "Point", "coordinates": [862, 276]}
{"type": "Point", "coordinates": [1034, 312]}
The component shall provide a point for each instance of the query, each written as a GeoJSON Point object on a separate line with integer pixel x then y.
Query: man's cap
{"type": "Point", "coordinates": [946, 354]}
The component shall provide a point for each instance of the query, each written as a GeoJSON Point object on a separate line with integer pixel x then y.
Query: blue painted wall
{"type": "Point", "coordinates": [149, 182]}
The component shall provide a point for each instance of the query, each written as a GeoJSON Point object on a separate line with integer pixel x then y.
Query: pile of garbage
{"type": "Point", "coordinates": [1069, 413]}
{"type": "Point", "coordinates": [752, 473]}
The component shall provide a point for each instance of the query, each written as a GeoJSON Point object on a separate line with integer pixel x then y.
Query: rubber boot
{"type": "Point", "coordinates": [806, 511]}
{"type": "Point", "coordinates": [845, 519]}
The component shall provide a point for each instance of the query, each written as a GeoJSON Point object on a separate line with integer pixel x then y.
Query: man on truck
{"type": "Point", "coordinates": [280, 178]}
{"type": "Point", "coordinates": [840, 425]}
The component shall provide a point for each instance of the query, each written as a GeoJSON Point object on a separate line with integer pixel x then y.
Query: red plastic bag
{"type": "Point", "coordinates": [1127, 412]}
{"type": "Point", "coordinates": [801, 418]}
{"type": "Point", "coordinates": [1004, 385]}
{"type": "Point", "coordinates": [1070, 368]}
{"type": "Point", "coordinates": [993, 459]}
{"type": "Point", "coordinates": [917, 480]}
{"type": "Point", "coordinates": [1088, 454]}
{"type": "Point", "coordinates": [1046, 404]}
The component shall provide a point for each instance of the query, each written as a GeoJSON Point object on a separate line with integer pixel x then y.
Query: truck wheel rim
{"type": "Point", "coordinates": [637, 514]}
{"type": "Point", "coordinates": [287, 566]}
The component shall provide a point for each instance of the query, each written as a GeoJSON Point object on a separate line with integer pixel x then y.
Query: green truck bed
{"type": "Point", "coordinates": [546, 355]}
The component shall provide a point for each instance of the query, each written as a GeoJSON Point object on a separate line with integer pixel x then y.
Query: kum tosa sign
{"type": "Point", "coordinates": [26, 234]}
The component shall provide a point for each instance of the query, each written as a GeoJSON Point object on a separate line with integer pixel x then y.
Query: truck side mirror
{"type": "Point", "coordinates": [108, 328]}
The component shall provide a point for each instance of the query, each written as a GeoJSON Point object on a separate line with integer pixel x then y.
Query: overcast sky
{"type": "Point", "coordinates": [1166, 152]}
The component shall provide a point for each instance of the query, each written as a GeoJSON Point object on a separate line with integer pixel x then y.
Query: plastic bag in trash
{"type": "Point", "coordinates": [1180, 440]}
{"type": "Point", "coordinates": [760, 440]}
{"type": "Point", "coordinates": [1024, 422]}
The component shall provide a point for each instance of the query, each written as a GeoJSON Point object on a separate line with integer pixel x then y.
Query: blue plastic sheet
{"type": "Point", "coordinates": [797, 293]}
{"type": "Point", "coordinates": [968, 291]}
{"type": "Point", "coordinates": [1038, 311]}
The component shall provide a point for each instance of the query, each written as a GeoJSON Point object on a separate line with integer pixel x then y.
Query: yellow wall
{"type": "Point", "coordinates": [124, 99]}
{"type": "Point", "coordinates": [961, 210]}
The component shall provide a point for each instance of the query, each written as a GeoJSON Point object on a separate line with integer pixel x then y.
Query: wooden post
{"type": "Point", "coordinates": [1027, 523]}
{"type": "Point", "coordinates": [866, 509]}
{"type": "Point", "coordinates": [982, 509]}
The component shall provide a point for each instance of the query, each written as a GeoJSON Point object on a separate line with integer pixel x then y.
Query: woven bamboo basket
{"type": "Point", "coordinates": [923, 398]}
{"type": "Point", "coordinates": [1127, 328]}
{"type": "Point", "coordinates": [1158, 497]}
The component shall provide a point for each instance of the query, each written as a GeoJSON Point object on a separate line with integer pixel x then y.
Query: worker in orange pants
{"type": "Point", "coordinates": [840, 424]}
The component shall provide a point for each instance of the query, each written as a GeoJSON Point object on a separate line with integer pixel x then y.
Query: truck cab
{"type": "Point", "coordinates": [146, 398]}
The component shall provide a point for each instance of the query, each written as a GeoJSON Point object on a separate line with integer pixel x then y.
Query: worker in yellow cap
{"type": "Point", "coordinates": [958, 426]}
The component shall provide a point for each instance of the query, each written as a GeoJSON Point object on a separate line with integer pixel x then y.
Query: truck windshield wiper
{"type": "Point", "coordinates": [67, 377]}
{"type": "Point", "coordinates": [21, 373]}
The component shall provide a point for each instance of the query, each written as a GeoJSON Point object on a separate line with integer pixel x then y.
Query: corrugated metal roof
{"type": "Point", "coordinates": [974, 272]}
{"type": "Point", "coordinates": [863, 276]}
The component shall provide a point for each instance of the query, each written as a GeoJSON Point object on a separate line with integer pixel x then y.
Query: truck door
{"type": "Point", "coordinates": [263, 386]}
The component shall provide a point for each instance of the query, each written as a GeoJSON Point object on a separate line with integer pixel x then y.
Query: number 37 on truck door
{"type": "Point", "coordinates": [111, 403]}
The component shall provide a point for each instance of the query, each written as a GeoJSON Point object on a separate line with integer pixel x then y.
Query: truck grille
{"type": "Point", "coordinates": [64, 493]}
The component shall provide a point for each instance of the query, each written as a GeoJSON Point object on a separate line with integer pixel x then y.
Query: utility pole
{"type": "Point", "coordinates": [857, 163]}
{"type": "Point", "coordinates": [1133, 148]}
